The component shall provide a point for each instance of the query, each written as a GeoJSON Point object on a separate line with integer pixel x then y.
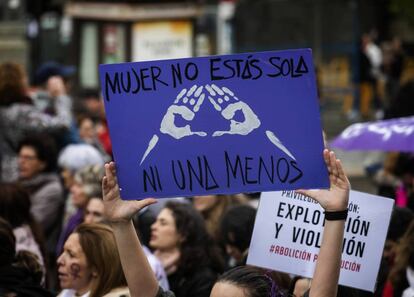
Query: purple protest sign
{"type": "Point", "coordinates": [210, 125]}
{"type": "Point", "coordinates": [386, 135]}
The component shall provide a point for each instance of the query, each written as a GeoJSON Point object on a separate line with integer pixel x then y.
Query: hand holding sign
{"type": "Point", "coordinates": [326, 275]}
{"type": "Point", "coordinates": [117, 210]}
{"type": "Point", "coordinates": [336, 198]}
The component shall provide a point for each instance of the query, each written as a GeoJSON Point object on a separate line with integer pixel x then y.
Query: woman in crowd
{"type": "Point", "coordinates": [236, 231]}
{"type": "Point", "coordinates": [212, 208]}
{"type": "Point", "coordinates": [88, 133]}
{"type": "Point", "coordinates": [21, 273]}
{"type": "Point", "coordinates": [190, 258]}
{"type": "Point", "coordinates": [15, 209]}
{"type": "Point", "coordinates": [19, 117]}
{"type": "Point", "coordinates": [94, 213]}
{"type": "Point", "coordinates": [86, 185]}
{"type": "Point", "coordinates": [401, 278]}
{"type": "Point", "coordinates": [89, 265]}
{"type": "Point", "coordinates": [38, 175]}
{"type": "Point", "coordinates": [142, 283]}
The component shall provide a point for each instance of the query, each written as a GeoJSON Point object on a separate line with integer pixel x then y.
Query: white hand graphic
{"type": "Point", "coordinates": [185, 101]}
{"type": "Point", "coordinates": [188, 103]}
{"type": "Point", "coordinates": [224, 101]}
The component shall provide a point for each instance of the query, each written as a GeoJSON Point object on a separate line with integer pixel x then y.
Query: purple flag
{"type": "Point", "coordinates": [386, 135]}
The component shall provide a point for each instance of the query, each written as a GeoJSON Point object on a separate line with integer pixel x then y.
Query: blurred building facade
{"type": "Point", "coordinates": [87, 33]}
{"type": "Point", "coordinates": [110, 32]}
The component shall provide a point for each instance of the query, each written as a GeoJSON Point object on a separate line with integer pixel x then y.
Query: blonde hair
{"type": "Point", "coordinates": [90, 177]}
{"type": "Point", "coordinates": [98, 244]}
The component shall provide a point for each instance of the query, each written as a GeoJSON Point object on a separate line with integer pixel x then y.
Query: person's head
{"type": "Point", "coordinates": [14, 204]}
{"type": "Point", "coordinates": [236, 229]}
{"type": "Point", "coordinates": [86, 128]}
{"type": "Point", "coordinates": [90, 261]}
{"type": "Point", "coordinates": [212, 207]}
{"type": "Point", "coordinates": [87, 184]}
{"type": "Point", "coordinates": [93, 103]}
{"type": "Point", "coordinates": [246, 281]}
{"type": "Point", "coordinates": [52, 68]}
{"type": "Point", "coordinates": [37, 154]}
{"type": "Point", "coordinates": [404, 257]}
{"type": "Point", "coordinates": [94, 212]}
{"type": "Point", "coordinates": [13, 84]}
{"type": "Point", "coordinates": [205, 204]}
{"type": "Point", "coordinates": [74, 157]}
{"type": "Point", "coordinates": [180, 226]}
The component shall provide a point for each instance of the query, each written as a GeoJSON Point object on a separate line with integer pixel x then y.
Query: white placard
{"type": "Point", "coordinates": [288, 233]}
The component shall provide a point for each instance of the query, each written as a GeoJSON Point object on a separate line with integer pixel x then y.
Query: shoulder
{"type": "Point", "coordinates": [49, 183]}
{"type": "Point", "coordinates": [16, 111]}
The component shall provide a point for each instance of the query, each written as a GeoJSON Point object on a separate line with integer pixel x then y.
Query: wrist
{"type": "Point", "coordinates": [121, 223]}
{"type": "Point", "coordinates": [339, 215]}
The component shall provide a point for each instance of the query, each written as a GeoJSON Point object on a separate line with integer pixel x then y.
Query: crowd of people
{"type": "Point", "coordinates": [377, 78]}
{"type": "Point", "coordinates": [65, 231]}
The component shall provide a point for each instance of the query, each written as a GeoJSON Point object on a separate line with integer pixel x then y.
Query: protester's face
{"type": "Point", "coordinates": [73, 270]}
{"type": "Point", "coordinates": [29, 163]}
{"type": "Point", "coordinates": [94, 211]}
{"type": "Point", "coordinates": [95, 105]}
{"type": "Point", "coordinates": [164, 233]}
{"type": "Point", "coordinates": [223, 289]}
{"type": "Point", "coordinates": [87, 129]}
{"type": "Point", "coordinates": [79, 198]}
{"type": "Point", "coordinates": [204, 203]}
{"type": "Point", "coordinates": [67, 177]}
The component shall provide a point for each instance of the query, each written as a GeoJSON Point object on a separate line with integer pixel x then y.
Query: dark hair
{"type": "Point", "coordinates": [24, 261]}
{"type": "Point", "coordinates": [7, 243]}
{"type": "Point", "coordinates": [404, 258]}
{"type": "Point", "coordinates": [400, 220]}
{"type": "Point", "coordinates": [15, 209]}
{"type": "Point", "coordinates": [255, 282]}
{"type": "Point", "coordinates": [197, 248]}
{"type": "Point", "coordinates": [45, 147]}
{"type": "Point", "coordinates": [12, 86]}
{"type": "Point", "coordinates": [237, 226]}
{"type": "Point", "coordinates": [14, 204]}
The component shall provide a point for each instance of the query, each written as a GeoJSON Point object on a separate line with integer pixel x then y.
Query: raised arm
{"type": "Point", "coordinates": [326, 275]}
{"type": "Point", "coordinates": [140, 277]}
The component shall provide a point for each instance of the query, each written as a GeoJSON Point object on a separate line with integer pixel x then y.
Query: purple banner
{"type": "Point", "coordinates": [210, 125]}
